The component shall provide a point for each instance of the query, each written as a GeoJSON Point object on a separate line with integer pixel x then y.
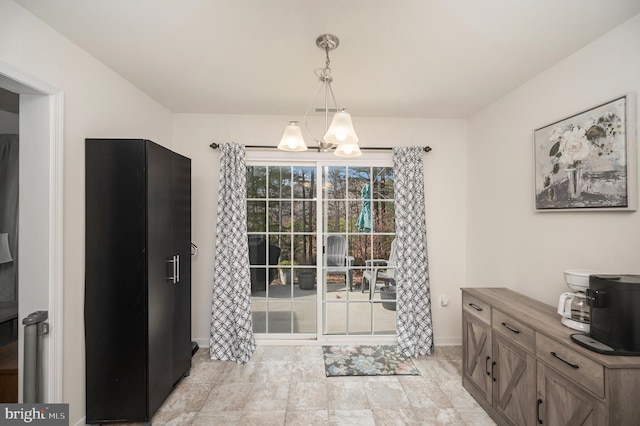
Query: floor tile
{"type": "Point", "coordinates": [345, 394]}
{"type": "Point", "coordinates": [306, 417]}
{"type": "Point", "coordinates": [307, 396]}
{"type": "Point", "coordinates": [267, 397]}
{"type": "Point", "coordinates": [187, 397]}
{"type": "Point", "coordinates": [227, 397]}
{"type": "Point", "coordinates": [386, 395]}
{"type": "Point", "coordinates": [351, 417]}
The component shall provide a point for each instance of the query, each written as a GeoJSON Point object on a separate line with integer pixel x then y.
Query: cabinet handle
{"type": "Point", "coordinates": [510, 328]}
{"type": "Point", "coordinates": [476, 307]}
{"type": "Point", "coordinates": [177, 268]}
{"type": "Point", "coordinates": [493, 377]}
{"type": "Point", "coordinates": [538, 411]}
{"type": "Point", "coordinates": [486, 365]}
{"type": "Point", "coordinates": [555, 355]}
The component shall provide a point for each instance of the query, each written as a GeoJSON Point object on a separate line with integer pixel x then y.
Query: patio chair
{"type": "Point", "coordinates": [338, 261]}
{"type": "Point", "coordinates": [380, 270]}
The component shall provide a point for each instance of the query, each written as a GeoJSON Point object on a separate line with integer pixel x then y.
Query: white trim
{"type": "Point", "coordinates": [447, 341]}
{"type": "Point", "coordinates": [18, 81]}
{"type": "Point", "coordinates": [56, 246]}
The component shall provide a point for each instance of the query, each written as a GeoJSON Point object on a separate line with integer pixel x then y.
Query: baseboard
{"type": "Point", "coordinates": [448, 341]}
{"type": "Point", "coordinates": [439, 341]}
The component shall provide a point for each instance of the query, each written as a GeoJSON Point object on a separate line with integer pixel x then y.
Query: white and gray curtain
{"type": "Point", "coordinates": [231, 323]}
{"type": "Point", "coordinates": [415, 328]}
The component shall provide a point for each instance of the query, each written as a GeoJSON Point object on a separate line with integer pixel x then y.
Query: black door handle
{"type": "Point", "coordinates": [538, 411]}
{"type": "Point", "coordinates": [493, 364]}
{"type": "Point", "coordinates": [476, 307]}
{"type": "Point", "coordinates": [510, 328]}
{"type": "Point", "coordinates": [486, 365]}
{"type": "Point", "coordinates": [555, 355]}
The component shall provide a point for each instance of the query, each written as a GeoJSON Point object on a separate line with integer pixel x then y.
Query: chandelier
{"type": "Point", "coordinates": [340, 135]}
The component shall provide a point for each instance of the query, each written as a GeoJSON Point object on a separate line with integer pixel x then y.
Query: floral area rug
{"type": "Point", "coordinates": [361, 360]}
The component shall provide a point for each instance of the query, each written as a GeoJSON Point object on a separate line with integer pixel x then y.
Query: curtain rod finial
{"type": "Point", "coordinates": [427, 149]}
{"type": "Point", "coordinates": [214, 145]}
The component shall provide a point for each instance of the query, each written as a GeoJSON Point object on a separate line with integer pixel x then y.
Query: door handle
{"type": "Point", "coordinates": [493, 377]}
{"type": "Point", "coordinates": [476, 307]}
{"type": "Point", "coordinates": [174, 263]}
{"type": "Point", "coordinates": [486, 365]}
{"type": "Point", "coordinates": [555, 355]}
{"type": "Point", "coordinates": [510, 328]}
{"type": "Point", "coordinates": [538, 411]}
{"type": "Point", "coordinates": [177, 257]}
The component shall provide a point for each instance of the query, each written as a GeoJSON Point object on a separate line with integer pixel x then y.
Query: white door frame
{"type": "Point", "coordinates": [40, 269]}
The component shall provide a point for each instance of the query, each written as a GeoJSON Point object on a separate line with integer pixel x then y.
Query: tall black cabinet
{"type": "Point", "coordinates": [138, 277]}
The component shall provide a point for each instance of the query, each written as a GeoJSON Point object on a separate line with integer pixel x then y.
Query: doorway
{"type": "Point", "coordinates": [39, 218]}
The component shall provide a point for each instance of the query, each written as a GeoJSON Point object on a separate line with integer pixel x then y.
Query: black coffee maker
{"type": "Point", "coordinates": [615, 315]}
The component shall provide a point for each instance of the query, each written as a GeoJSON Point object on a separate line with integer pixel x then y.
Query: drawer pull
{"type": "Point", "coordinates": [486, 365]}
{"type": "Point", "coordinates": [493, 377]}
{"type": "Point", "coordinates": [538, 411]}
{"type": "Point", "coordinates": [476, 307]}
{"type": "Point", "coordinates": [510, 328]}
{"type": "Point", "coordinates": [555, 355]}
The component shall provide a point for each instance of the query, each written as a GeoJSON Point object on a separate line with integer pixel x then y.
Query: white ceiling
{"type": "Point", "coordinates": [400, 58]}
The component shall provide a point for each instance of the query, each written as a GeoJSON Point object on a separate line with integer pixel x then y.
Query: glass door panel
{"type": "Point", "coordinates": [281, 225]}
{"type": "Point", "coordinates": [345, 230]}
{"type": "Point", "coordinates": [358, 227]}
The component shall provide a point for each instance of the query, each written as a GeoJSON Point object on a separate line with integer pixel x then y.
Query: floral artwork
{"type": "Point", "coordinates": [582, 161]}
{"type": "Point", "coordinates": [361, 360]}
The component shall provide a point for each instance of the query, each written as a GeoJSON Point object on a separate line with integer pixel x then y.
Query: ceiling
{"type": "Point", "coordinates": [397, 58]}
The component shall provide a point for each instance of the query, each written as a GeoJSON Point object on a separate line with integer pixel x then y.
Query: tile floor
{"type": "Point", "coordinates": [286, 385]}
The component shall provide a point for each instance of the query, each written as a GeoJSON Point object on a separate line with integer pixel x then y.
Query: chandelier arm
{"type": "Point", "coordinates": [304, 118]}
{"type": "Point", "coordinates": [335, 104]}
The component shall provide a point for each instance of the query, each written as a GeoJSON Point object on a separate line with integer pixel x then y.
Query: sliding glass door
{"type": "Point", "coordinates": [320, 243]}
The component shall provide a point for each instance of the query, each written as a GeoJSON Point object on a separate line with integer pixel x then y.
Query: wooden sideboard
{"type": "Point", "coordinates": [521, 365]}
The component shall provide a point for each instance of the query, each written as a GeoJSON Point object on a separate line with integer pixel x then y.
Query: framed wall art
{"type": "Point", "coordinates": [588, 161]}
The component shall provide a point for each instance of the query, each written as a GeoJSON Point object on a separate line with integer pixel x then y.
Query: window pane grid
{"type": "Point", "coordinates": [282, 207]}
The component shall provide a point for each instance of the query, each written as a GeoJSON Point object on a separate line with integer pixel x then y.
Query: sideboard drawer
{"type": "Point", "coordinates": [477, 308]}
{"type": "Point", "coordinates": [513, 329]}
{"type": "Point", "coordinates": [578, 368]}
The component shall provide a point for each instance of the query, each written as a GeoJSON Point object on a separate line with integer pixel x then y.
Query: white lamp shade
{"type": "Point", "coordinates": [348, 150]}
{"type": "Point", "coordinates": [5, 254]}
{"type": "Point", "coordinates": [341, 130]}
{"type": "Point", "coordinates": [292, 139]}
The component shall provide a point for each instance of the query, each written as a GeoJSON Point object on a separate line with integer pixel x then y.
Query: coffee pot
{"type": "Point", "coordinates": [574, 310]}
{"type": "Point", "coordinates": [572, 306]}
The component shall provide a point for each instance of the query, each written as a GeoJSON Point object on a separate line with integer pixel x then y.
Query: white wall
{"type": "Point", "coordinates": [97, 103]}
{"type": "Point", "coordinates": [445, 182]}
{"type": "Point", "coordinates": [508, 243]}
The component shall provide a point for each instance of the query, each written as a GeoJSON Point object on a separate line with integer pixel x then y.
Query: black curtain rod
{"type": "Point", "coordinates": [215, 146]}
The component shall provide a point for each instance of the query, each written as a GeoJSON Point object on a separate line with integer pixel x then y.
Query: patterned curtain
{"type": "Point", "coordinates": [415, 329]}
{"type": "Point", "coordinates": [231, 324]}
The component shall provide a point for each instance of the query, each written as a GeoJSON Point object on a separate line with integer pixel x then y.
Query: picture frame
{"type": "Point", "coordinates": [587, 161]}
